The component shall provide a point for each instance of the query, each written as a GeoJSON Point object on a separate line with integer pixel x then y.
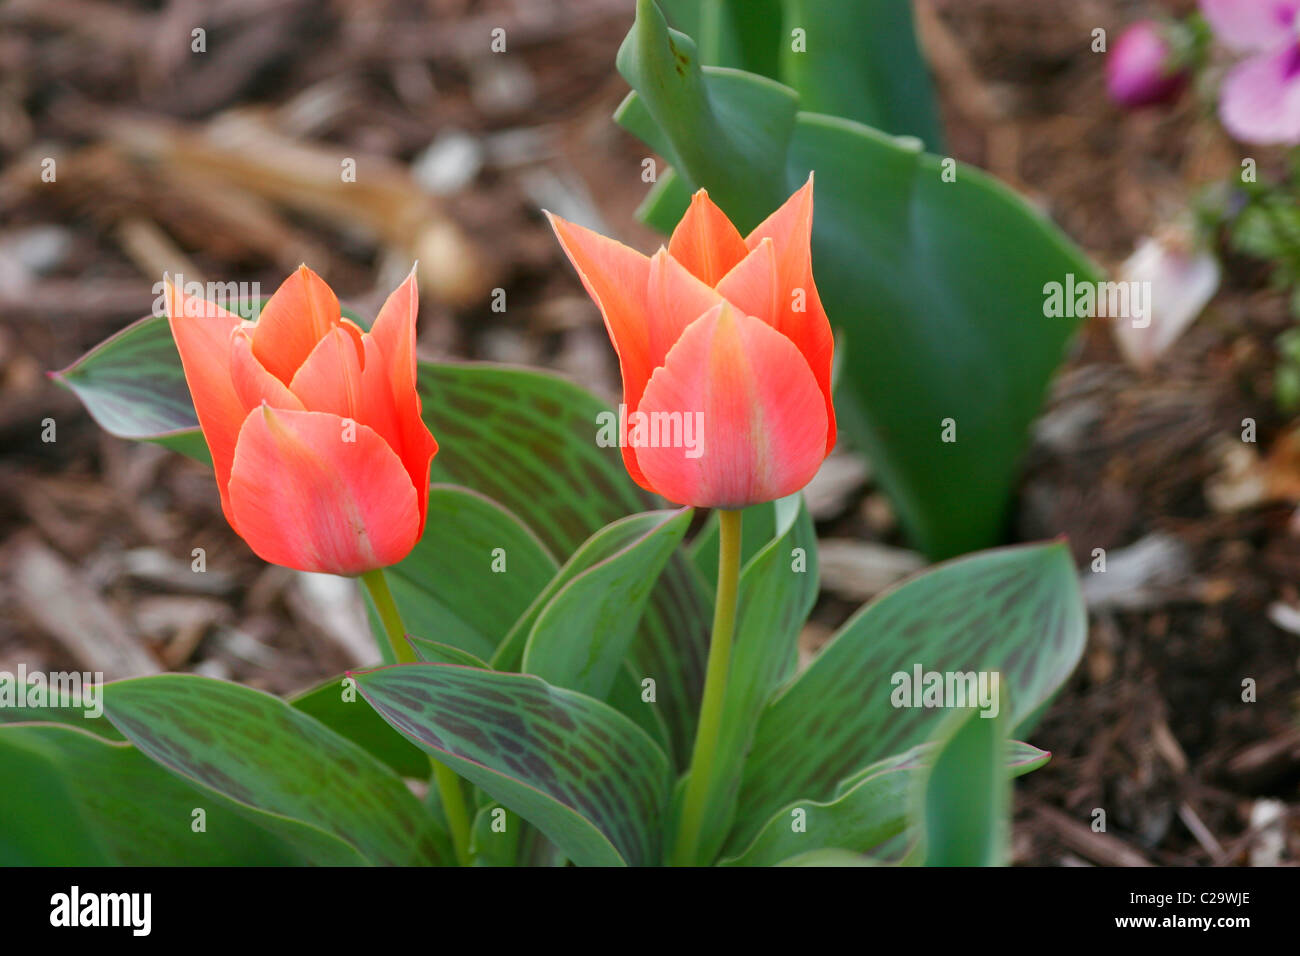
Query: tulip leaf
{"type": "Point", "coordinates": [433, 652]}
{"type": "Point", "coordinates": [262, 753]}
{"type": "Point", "coordinates": [966, 798]}
{"type": "Point", "coordinates": [494, 836]}
{"type": "Point", "coordinates": [873, 807]}
{"type": "Point", "coordinates": [879, 78]}
{"type": "Point", "coordinates": [583, 632]}
{"type": "Point", "coordinates": [476, 568]}
{"type": "Point", "coordinates": [587, 777]}
{"type": "Point", "coordinates": [527, 439]}
{"type": "Point", "coordinates": [134, 387]}
{"type": "Point", "coordinates": [335, 704]}
{"type": "Point", "coordinates": [71, 798]}
{"type": "Point", "coordinates": [1013, 612]}
{"type": "Point", "coordinates": [934, 273]}
{"type": "Point", "coordinates": [744, 34]}
{"type": "Point", "coordinates": [778, 588]}
{"type": "Point", "coordinates": [708, 138]}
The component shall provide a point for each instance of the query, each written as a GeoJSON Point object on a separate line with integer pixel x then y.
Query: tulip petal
{"type": "Point", "coordinates": [753, 286]}
{"type": "Point", "coordinates": [1260, 98]}
{"type": "Point", "coordinates": [253, 383]}
{"type": "Point", "coordinates": [617, 279]}
{"type": "Point", "coordinates": [330, 379]}
{"type": "Point", "coordinates": [390, 401]}
{"type": "Point", "coordinates": [758, 409]}
{"type": "Point", "coordinates": [202, 332]}
{"type": "Point", "coordinates": [294, 319]}
{"type": "Point", "coordinates": [675, 299]}
{"type": "Point", "coordinates": [1251, 24]}
{"type": "Point", "coordinates": [306, 497]}
{"type": "Point", "coordinates": [705, 241]}
{"type": "Point", "coordinates": [800, 316]}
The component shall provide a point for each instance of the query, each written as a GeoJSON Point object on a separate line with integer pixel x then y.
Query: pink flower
{"type": "Point", "coordinates": [1142, 69]}
{"type": "Point", "coordinates": [1260, 99]}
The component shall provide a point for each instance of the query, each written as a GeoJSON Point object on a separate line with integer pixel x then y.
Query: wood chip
{"type": "Point", "coordinates": [72, 613]}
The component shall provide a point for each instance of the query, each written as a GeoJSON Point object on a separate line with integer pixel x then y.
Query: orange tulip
{"type": "Point", "coordinates": [721, 330]}
{"type": "Point", "coordinates": [321, 456]}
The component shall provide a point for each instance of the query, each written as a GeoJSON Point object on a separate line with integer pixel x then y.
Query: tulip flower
{"type": "Point", "coordinates": [1142, 69]}
{"type": "Point", "coordinates": [320, 453]}
{"type": "Point", "coordinates": [723, 330]}
{"type": "Point", "coordinates": [1260, 98]}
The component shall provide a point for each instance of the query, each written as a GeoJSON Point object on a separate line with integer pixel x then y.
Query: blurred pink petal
{"type": "Point", "coordinates": [1252, 24]}
{"type": "Point", "coordinates": [1260, 100]}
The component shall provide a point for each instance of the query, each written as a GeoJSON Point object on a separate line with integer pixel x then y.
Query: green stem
{"type": "Point", "coordinates": [448, 784]}
{"type": "Point", "coordinates": [715, 691]}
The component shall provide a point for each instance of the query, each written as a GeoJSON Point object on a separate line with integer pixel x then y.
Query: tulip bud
{"type": "Point", "coordinates": [320, 453]}
{"type": "Point", "coordinates": [725, 352]}
{"type": "Point", "coordinates": [1143, 69]}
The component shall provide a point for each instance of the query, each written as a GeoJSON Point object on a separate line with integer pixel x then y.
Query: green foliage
{"type": "Point", "coordinates": [932, 271]}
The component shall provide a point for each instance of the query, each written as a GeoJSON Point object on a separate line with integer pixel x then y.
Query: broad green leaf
{"type": "Point", "coordinates": [71, 798]}
{"type": "Point", "coordinates": [865, 812]}
{"type": "Point", "coordinates": [967, 797]}
{"type": "Point", "coordinates": [583, 632]}
{"type": "Point", "coordinates": [528, 440]}
{"type": "Point", "coordinates": [134, 387]}
{"type": "Point", "coordinates": [937, 281]}
{"type": "Point", "coordinates": [54, 707]}
{"type": "Point", "coordinates": [337, 705]}
{"type": "Point", "coordinates": [708, 139]}
{"type": "Point", "coordinates": [778, 588]}
{"type": "Point", "coordinates": [258, 751]}
{"type": "Point", "coordinates": [878, 79]}
{"type": "Point", "coordinates": [494, 836]}
{"type": "Point", "coordinates": [628, 697]}
{"type": "Point", "coordinates": [744, 34]}
{"type": "Point", "coordinates": [1013, 611]}
{"type": "Point", "coordinates": [473, 572]}
{"type": "Point", "coordinates": [587, 777]}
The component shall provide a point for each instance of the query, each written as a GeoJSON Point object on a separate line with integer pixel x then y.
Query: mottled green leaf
{"type": "Point", "coordinates": [527, 439]}
{"type": "Point", "coordinates": [258, 751]}
{"type": "Point", "coordinates": [867, 810]}
{"type": "Point", "coordinates": [587, 777]}
{"type": "Point", "coordinates": [475, 570]}
{"type": "Point", "coordinates": [341, 709]}
{"type": "Point", "coordinates": [71, 798]}
{"type": "Point", "coordinates": [134, 387]}
{"type": "Point", "coordinates": [1014, 611]}
{"type": "Point", "coordinates": [582, 633]}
